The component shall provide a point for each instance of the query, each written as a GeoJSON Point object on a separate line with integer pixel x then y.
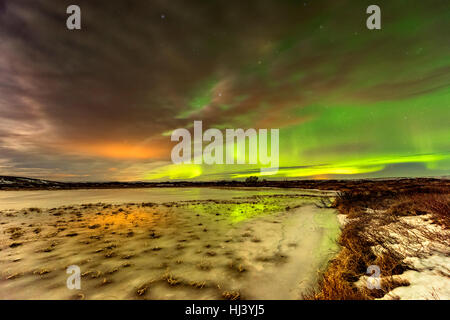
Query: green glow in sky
{"type": "Point", "coordinates": [349, 102]}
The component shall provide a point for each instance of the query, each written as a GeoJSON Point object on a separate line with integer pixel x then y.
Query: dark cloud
{"type": "Point", "coordinates": [137, 68]}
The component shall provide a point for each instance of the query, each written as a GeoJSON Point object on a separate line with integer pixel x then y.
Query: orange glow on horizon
{"type": "Point", "coordinates": [321, 177]}
{"type": "Point", "coordinates": [120, 151]}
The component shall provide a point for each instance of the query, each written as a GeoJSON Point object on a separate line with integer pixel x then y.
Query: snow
{"type": "Point", "coordinates": [429, 256]}
{"type": "Point", "coordinates": [430, 280]}
{"type": "Point", "coordinates": [425, 246]}
{"type": "Point", "coordinates": [4, 181]}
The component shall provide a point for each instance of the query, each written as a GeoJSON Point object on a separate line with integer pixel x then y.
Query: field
{"type": "Point", "coordinates": [254, 241]}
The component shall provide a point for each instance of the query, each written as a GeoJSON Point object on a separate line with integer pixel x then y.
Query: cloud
{"type": "Point", "coordinates": [75, 103]}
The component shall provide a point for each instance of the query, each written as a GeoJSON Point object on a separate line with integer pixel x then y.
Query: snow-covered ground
{"type": "Point", "coordinates": [425, 246]}
{"type": "Point", "coordinates": [19, 180]}
{"type": "Point", "coordinates": [430, 280]}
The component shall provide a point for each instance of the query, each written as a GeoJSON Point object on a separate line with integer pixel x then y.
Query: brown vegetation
{"type": "Point", "coordinates": [368, 211]}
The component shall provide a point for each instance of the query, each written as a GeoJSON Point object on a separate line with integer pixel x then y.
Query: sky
{"type": "Point", "coordinates": [100, 103]}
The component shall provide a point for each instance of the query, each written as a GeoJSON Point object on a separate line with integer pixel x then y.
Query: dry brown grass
{"type": "Point", "coordinates": [364, 231]}
{"type": "Point", "coordinates": [436, 204]}
{"type": "Point", "coordinates": [170, 279]}
{"type": "Point", "coordinates": [232, 295]}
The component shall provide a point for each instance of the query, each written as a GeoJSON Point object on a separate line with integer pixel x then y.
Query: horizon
{"type": "Point", "coordinates": [239, 180]}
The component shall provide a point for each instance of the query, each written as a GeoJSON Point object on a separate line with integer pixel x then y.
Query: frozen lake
{"type": "Point", "coordinates": [57, 198]}
{"type": "Point", "coordinates": [156, 244]}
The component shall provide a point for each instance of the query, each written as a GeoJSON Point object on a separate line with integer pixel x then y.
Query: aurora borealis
{"type": "Point", "coordinates": [100, 103]}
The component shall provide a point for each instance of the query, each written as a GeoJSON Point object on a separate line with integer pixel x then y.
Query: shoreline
{"type": "Point", "coordinates": [406, 237]}
{"type": "Point", "coordinates": [26, 184]}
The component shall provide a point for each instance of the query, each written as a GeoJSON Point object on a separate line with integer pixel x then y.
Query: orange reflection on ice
{"type": "Point", "coordinates": [129, 218]}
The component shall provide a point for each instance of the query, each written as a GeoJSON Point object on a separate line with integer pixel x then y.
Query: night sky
{"type": "Point", "coordinates": [100, 103]}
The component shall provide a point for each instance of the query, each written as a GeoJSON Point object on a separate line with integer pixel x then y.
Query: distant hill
{"type": "Point", "coordinates": [17, 182]}
{"type": "Point", "coordinates": [23, 183]}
